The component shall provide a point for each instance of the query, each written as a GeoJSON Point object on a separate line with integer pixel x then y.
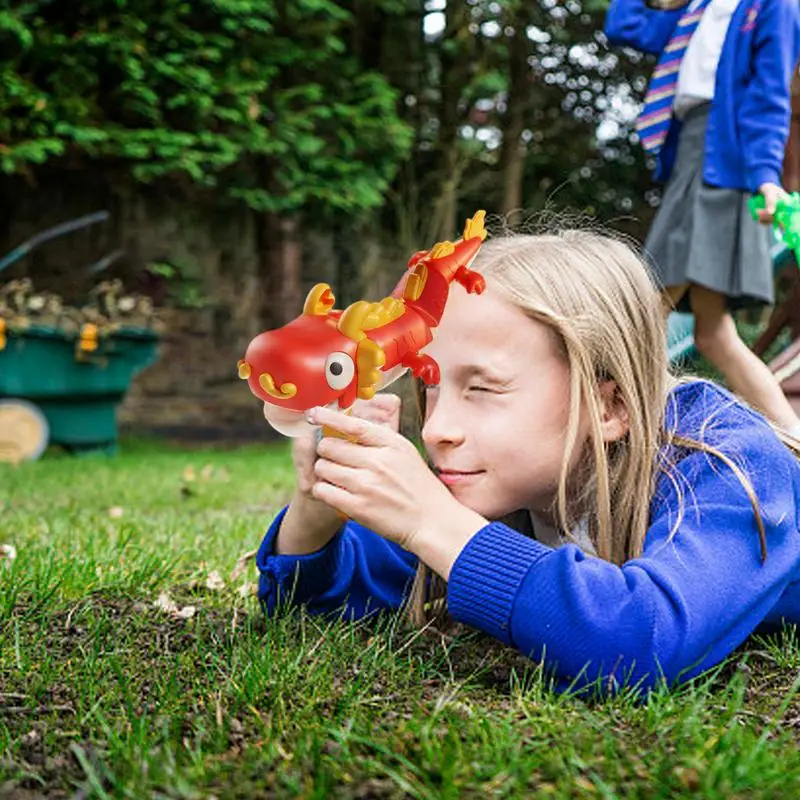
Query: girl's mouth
{"type": "Point", "coordinates": [452, 477]}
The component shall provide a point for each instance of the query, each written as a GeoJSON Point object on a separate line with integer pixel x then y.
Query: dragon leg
{"type": "Point", "coordinates": [473, 282]}
{"type": "Point", "coordinates": [422, 366]}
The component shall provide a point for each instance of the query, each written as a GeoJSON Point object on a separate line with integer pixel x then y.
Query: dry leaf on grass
{"type": "Point", "coordinates": [166, 603]}
{"type": "Point", "coordinates": [7, 554]}
{"type": "Point", "coordinates": [248, 589]}
{"type": "Point", "coordinates": [210, 472]}
{"type": "Point", "coordinates": [115, 512]}
{"type": "Point", "coordinates": [214, 581]}
{"type": "Point", "coordinates": [241, 563]}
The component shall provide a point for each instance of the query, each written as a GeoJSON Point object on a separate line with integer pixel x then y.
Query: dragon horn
{"type": "Point", "coordinates": [351, 323]}
{"type": "Point", "coordinates": [319, 301]}
{"type": "Point", "coordinates": [474, 226]}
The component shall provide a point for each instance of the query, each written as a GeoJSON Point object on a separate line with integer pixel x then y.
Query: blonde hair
{"type": "Point", "coordinates": [597, 295]}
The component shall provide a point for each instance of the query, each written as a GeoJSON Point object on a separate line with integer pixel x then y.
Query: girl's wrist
{"type": "Point", "coordinates": [307, 526]}
{"type": "Point", "coordinates": [444, 535]}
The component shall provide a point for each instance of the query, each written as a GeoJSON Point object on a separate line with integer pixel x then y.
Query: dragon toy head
{"type": "Point", "coordinates": [322, 358]}
{"type": "Point", "coordinates": [328, 357]}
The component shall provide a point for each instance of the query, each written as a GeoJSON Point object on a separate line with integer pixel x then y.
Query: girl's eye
{"type": "Point", "coordinates": [479, 389]}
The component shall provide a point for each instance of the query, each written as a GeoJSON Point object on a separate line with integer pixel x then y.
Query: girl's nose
{"type": "Point", "coordinates": [441, 424]}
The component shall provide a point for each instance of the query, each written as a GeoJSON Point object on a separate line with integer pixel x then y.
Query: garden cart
{"type": "Point", "coordinates": [64, 370]}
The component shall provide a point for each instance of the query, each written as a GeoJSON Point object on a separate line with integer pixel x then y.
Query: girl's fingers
{"type": "Point", "coordinates": [348, 454]}
{"type": "Point", "coordinates": [365, 432]}
{"type": "Point", "coordinates": [383, 409]}
{"type": "Point", "coordinates": [345, 477]}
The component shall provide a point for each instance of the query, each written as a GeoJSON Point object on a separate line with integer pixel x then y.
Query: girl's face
{"type": "Point", "coordinates": [495, 426]}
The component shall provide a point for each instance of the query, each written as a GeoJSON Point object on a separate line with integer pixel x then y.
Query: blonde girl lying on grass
{"type": "Point", "coordinates": [579, 502]}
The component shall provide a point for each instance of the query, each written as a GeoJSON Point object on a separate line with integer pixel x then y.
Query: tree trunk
{"type": "Point", "coordinates": [455, 61]}
{"type": "Point", "coordinates": [512, 157]}
{"type": "Point", "coordinates": [791, 176]}
{"type": "Point", "coordinates": [290, 269]}
{"type": "Point", "coordinates": [279, 268]}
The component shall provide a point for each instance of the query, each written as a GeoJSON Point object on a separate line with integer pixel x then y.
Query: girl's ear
{"type": "Point", "coordinates": [614, 421]}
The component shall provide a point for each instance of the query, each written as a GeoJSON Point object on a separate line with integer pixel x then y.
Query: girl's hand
{"type": "Point", "coordinates": [380, 480]}
{"type": "Point", "coordinates": [772, 194]}
{"type": "Point", "coordinates": [383, 409]}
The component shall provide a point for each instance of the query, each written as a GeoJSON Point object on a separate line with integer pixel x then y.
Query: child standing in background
{"type": "Point", "coordinates": [716, 117]}
{"type": "Point", "coordinates": [577, 502]}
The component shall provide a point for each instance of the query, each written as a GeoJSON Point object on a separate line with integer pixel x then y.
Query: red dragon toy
{"type": "Point", "coordinates": [328, 357]}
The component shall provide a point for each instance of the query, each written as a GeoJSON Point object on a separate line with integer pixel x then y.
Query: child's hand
{"type": "Point", "coordinates": [772, 194]}
{"type": "Point", "coordinates": [383, 409]}
{"type": "Point", "coordinates": [380, 480]}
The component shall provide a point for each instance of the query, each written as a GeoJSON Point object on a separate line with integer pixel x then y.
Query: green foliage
{"type": "Point", "coordinates": [185, 289]}
{"type": "Point", "coordinates": [259, 98]}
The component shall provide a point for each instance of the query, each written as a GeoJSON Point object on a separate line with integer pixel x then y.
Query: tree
{"type": "Point", "coordinates": [259, 100]}
{"type": "Point", "coordinates": [523, 105]}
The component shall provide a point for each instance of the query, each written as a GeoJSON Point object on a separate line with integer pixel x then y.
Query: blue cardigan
{"type": "Point", "coordinates": [677, 610]}
{"type": "Point", "coordinates": [749, 122]}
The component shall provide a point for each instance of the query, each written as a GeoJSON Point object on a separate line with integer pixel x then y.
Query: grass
{"type": "Point", "coordinates": [104, 694]}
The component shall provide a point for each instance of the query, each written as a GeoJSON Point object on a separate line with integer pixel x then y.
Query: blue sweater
{"type": "Point", "coordinates": [749, 121]}
{"type": "Point", "coordinates": [675, 611]}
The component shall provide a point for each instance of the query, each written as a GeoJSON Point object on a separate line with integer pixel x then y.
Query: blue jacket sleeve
{"type": "Point", "coordinates": [631, 23]}
{"type": "Point", "coordinates": [358, 572]}
{"type": "Point", "coordinates": [677, 610]}
{"type": "Point", "coordinates": [766, 109]}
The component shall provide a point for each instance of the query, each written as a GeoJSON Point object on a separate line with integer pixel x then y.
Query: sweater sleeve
{"type": "Point", "coordinates": [358, 572]}
{"type": "Point", "coordinates": [766, 109]}
{"type": "Point", "coordinates": [677, 610]}
{"type": "Point", "coordinates": [632, 23]}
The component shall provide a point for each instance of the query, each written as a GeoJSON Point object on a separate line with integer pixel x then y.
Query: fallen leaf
{"type": "Point", "coordinates": [207, 472]}
{"type": "Point", "coordinates": [7, 554]}
{"type": "Point", "coordinates": [166, 603]}
{"type": "Point", "coordinates": [689, 777]}
{"type": "Point", "coordinates": [214, 581]}
{"type": "Point", "coordinates": [115, 512]}
{"type": "Point", "coordinates": [189, 473]}
{"type": "Point", "coordinates": [31, 737]}
{"type": "Point", "coordinates": [241, 563]}
{"type": "Point", "coordinates": [248, 589]}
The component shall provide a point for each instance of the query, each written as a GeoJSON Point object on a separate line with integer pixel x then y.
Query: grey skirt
{"type": "Point", "coordinates": [705, 235]}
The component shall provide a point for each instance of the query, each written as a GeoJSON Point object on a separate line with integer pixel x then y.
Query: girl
{"type": "Point", "coordinates": [579, 503]}
{"type": "Point", "coordinates": [716, 118]}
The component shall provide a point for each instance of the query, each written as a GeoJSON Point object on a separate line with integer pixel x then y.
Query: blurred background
{"type": "Point", "coordinates": [217, 158]}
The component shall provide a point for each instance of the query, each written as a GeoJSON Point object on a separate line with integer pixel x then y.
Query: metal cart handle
{"type": "Point", "coordinates": [51, 233]}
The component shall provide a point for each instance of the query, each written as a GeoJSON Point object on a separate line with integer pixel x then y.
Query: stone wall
{"type": "Point", "coordinates": [193, 391]}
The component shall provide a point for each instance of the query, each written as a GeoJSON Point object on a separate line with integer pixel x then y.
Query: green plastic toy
{"type": "Point", "coordinates": [786, 219]}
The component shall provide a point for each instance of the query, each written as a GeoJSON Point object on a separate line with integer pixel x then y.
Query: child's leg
{"type": "Point", "coordinates": [717, 339]}
{"type": "Point", "coordinates": [671, 296]}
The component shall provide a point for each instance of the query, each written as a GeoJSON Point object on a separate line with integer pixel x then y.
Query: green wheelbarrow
{"type": "Point", "coordinates": [63, 386]}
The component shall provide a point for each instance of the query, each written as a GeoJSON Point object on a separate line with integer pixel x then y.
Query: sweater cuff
{"type": "Point", "coordinates": [307, 568]}
{"type": "Point", "coordinates": [762, 175]}
{"type": "Point", "coordinates": [486, 577]}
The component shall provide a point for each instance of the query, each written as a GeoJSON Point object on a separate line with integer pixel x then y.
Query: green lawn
{"type": "Point", "coordinates": [103, 693]}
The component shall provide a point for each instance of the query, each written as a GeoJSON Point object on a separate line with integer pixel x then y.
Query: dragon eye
{"type": "Point", "coordinates": [339, 370]}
